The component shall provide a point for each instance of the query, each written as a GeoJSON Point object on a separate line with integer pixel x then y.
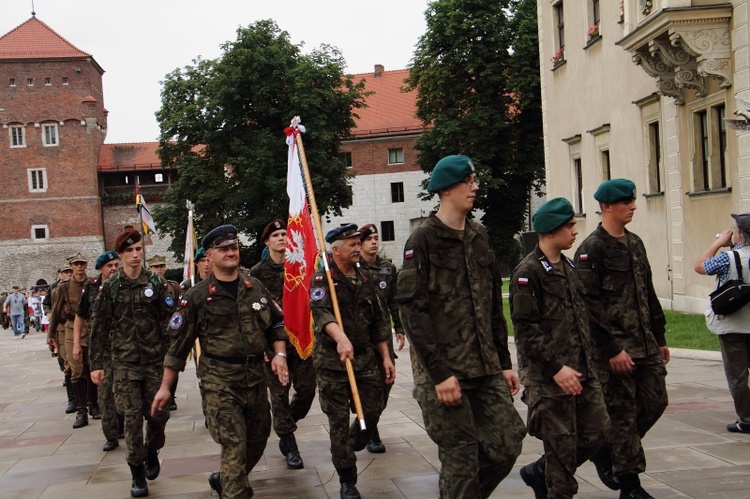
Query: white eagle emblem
{"type": "Point", "coordinates": [295, 250]}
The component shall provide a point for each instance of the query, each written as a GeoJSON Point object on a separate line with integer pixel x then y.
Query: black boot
{"type": "Point", "coordinates": [92, 398]}
{"type": "Point", "coordinates": [152, 463]}
{"type": "Point", "coordinates": [631, 487]}
{"type": "Point", "coordinates": [288, 448]}
{"type": "Point", "coordinates": [348, 480]}
{"type": "Point", "coordinates": [603, 462]}
{"type": "Point", "coordinates": [214, 481]}
{"type": "Point", "coordinates": [120, 426]}
{"type": "Point", "coordinates": [111, 445]}
{"type": "Point", "coordinates": [71, 397]}
{"type": "Point", "coordinates": [375, 445]}
{"type": "Point", "coordinates": [138, 487]}
{"type": "Point", "coordinates": [79, 391]}
{"type": "Point", "coordinates": [533, 476]}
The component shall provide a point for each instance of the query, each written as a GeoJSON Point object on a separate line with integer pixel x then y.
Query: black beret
{"type": "Point", "coordinates": [127, 238]}
{"type": "Point", "coordinates": [223, 235]}
{"type": "Point", "coordinates": [617, 189]}
{"type": "Point", "coordinates": [272, 227]}
{"type": "Point", "coordinates": [343, 232]}
{"type": "Point", "coordinates": [552, 215]}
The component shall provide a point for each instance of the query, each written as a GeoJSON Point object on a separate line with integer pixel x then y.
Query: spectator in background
{"type": "Point", "coordinates": [15, 306]}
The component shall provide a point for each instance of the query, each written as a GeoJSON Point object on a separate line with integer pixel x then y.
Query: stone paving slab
{"type": "Point", "coordinates": [689, 451]}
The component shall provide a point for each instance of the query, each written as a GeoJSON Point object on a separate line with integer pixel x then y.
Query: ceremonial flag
{"type": "Point", "coordinates": [188, 270]}
{"type": "Point", "coordinates": [301, 251]}
{"type": "Point", "coordinates": [147, 221]}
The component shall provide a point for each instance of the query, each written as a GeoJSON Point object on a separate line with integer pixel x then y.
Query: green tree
{"type": "Point", "coordinates": [462, 69]}
{"type": "Point", "coordinates": [222, 124]}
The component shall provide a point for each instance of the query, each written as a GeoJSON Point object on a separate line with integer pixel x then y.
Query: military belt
{"type": "Point", "coordinates": [249, 360]}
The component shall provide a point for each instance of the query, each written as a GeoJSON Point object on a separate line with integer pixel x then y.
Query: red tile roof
{"type": "Point", "coordinates": [136, 156]}
{"type": "Point", "coordinates": [389, 111]}
{"type": "Point", "coordinates": [35, 40]}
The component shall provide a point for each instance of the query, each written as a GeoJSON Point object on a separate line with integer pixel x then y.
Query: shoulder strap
{"type": "Point", "coordinates": [738, 263]}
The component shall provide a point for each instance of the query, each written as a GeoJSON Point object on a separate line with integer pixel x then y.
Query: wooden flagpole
{"type": "Point", "coordinates": [331, 287]}
{"type": "Point", "coordinates": [140, 219]}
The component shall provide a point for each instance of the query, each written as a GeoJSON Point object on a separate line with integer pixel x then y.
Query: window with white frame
{"type": "Point", "coordinates": [49, 134]}
{"type": "Point", "coordinates": [559, 19]}
{"type": "Point", "coordinates": [17, 135]}
{"type": "Point", "coordinates": [39, 232]}
{"type": "Point", "coordinates": [37, 178]}
{"type": "Point", "coordinates": [576, 173]}
{"type": "Point", "coordinates": [395, 156]}
{"type": "Point", "coordinates": [709, 144]}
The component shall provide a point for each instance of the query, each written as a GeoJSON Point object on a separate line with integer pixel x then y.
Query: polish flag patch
{"type": "Point", "coordinates": [583, 257]}
{"type": "Point", "coordinates": [523, 281]}
{"type": "Point", "coordinates": [408, 254]}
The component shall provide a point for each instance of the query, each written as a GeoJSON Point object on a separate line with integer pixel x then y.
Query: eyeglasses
{"type": "Point", "coordinates": [468, 181]}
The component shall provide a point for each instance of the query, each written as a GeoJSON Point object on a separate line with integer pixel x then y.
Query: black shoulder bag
{"type": "Point", "coordinates": [733, 294]}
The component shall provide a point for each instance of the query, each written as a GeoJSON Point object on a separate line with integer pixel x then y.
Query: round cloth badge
{"type": "Point", "coordinates": [256, 306]}
{"type": "Point", "coordinates": [383, 284]}
{"type": "Point", "coordinates": [176, 321]}
{"type": "Point", "coordinates": [317, 294]}
{"type": "Point", "coordinates": [168, 300]}
{"type": "Point", "coordinates": [148, 292]}
{"type": "Point", "coordinates": [263, 300]}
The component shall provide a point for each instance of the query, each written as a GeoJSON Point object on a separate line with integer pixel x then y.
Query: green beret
{"type": "Point", "coordinates": [105, 258]}
{"type": "Point", "coordinates": [618, 189]}
{"type": "Point", "coordinates": [552, 215]}
{"type": "Point", "coordinates": [449, 171]}
{"type": "Point", "coordinates": [199, 254]}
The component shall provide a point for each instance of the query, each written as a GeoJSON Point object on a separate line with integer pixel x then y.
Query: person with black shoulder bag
{"type": "Point", "coordinates": [728, 314]}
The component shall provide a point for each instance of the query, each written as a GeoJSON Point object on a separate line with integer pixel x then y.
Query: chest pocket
{"type": "Point", "coordinates": [615, 275]}
{"type": "Point", "coordinates": [443, 270]}
{"type": "Point", "coordinates": [555, 299]}
{"type": "Point", "coordinates": [219, 312]}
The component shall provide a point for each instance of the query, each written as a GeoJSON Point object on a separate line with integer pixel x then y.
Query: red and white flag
{"type": "Point", "coordinates": [188, 269]}
{"type": "Point", "coordinates": [301, 251]}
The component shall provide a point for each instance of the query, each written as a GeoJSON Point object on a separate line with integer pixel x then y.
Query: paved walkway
{"type": "Point", "coordinates": [689, 451]}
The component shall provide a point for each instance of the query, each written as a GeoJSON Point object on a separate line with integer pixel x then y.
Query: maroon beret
{"type": "Point", "coordinates": [272, 227]}
{"type": "Point", "coordinates": [127, 238]}
{"type": "Point", "coordinates": [367, 231]}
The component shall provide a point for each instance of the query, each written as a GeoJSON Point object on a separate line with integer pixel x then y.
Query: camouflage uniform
{"type": "Point", "coordinates": [233, 335]}
{"type": "Point", "coordinates": [450, 294]}
{"type": "Point", "coordinates": [134, 314]}
{"type": "Point", "coordinates": [549, 313]}
{"type": "Point", "coordinates": [105, 391]}
{"type": "Point", "coordinates": [365, 324]}
{"type": "Point", "coordinates": [625, 314]}
{"type": "Point", "coordinates": [301, 372]}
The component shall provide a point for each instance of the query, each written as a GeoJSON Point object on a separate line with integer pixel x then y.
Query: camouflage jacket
{"type": "Point", "coordinates": [624, 312]}
{"type": "Point", "coordinates": [450, 295]}
{"type": "Point", "coordinates": [271, 274]}
{"type": "Point", "coordinates": [383, 273]}
{"type": "Point", "coordinates": [136, 312]}
{"type": "Point", "coordinates": [65, 303]}
{"type": "Point", "coordinates": [229, 330]}
{"type": "Point", "coordinates": [363, 315]}
{"type": "Point", "coordinates": [86, 305]}
{"type": "Point", "coordinates": [549, 313]}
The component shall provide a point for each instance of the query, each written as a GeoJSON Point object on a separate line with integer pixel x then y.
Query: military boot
{"type": "Point", "coordinates": [375, 445]}
{"type": "Point", "coordinates": [120, 426]}
{"type": "Point", "coordinates": [214, 481]}
{"type": "Point", "coordinates": [348, 480]}
{"type": "Point", "coordinates": [71, 408]}
{"type": "Point", "coordinates": [152, 463]}
{"type": "Point", "coordinates": [138, 487]}
{"type": "Point", "coordinates": [93, 399]}
{"type": "Point", "coordinates": [288, 447]}
{"type": "Point", "coordinates": [79, 391]}
{"type": "Point", "coordinates": [631, 487]}
{"type": "Point", "coordinates": [603, 462]}
{"type": "Point", "coordinates": [533, 476]}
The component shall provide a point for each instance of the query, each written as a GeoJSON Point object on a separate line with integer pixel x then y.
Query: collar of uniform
{"type": "Point", "coordinates": [449, 233]}
{"type": "Point", "coordinates": [546, 264]}
{"type": "Point", "coordinates": [339, 276]}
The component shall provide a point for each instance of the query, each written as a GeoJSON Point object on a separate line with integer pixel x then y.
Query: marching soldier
{"type": "Point", "coordinates": [383, 274]}
{"type": "Point", "coordinates": [270, 271]}
{"type": "Point", "coordinates": [366, 330]}
{"type": "Point", "coordinates": [235, 321]}
{"type": "Point", "coordinates": [134, 306]}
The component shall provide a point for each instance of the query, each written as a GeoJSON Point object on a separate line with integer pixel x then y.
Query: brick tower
{"type": "Point", "coordinates": [53, 124]}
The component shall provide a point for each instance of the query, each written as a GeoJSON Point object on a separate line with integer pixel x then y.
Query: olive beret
{"type": "Point", "coordinates": [221, 236]}
{"type": "Point", "coordinates": [552, 215]}
{"type": "Point", "coordinates": [343, 232]}
{"type": "Point", "coordinates": [367, 230]}
{"type": "Point", "coordinates": [127, 238]}
{"type": "Point", "coordinates": [618, 189]}
{"type": "Point", "coordinates": [272, 227]}
{"type": "Point", "coordinates": [105, 258]}
{"type": "Point", "coordinates": [199, 254]}
{"type": "Point", "coordinates": [449, 171]}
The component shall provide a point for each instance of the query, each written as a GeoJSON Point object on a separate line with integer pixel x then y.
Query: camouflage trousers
{"type": "Point", "coordinates": [286, 413]}
{"type": "Point", "coordinates": [336, 402]}
{"type": "Point", "coordinates": [239, 420]}
{"type": "Point", "coordinates": [106, 394]}
{"type": "Point", "coordinates": [135, 387]}
{"type": "Point", "coordinates": [478, 441]}
{"type": "Point", "coordinates": [571, 429]}
{"type": "Point", "coordinates": [635, 402]}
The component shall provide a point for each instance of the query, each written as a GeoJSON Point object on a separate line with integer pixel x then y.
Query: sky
{"type": "Point", "coordinates": [138, 42]}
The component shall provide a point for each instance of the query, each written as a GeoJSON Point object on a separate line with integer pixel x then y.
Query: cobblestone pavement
{"type": "Point", "coordinates": [689, 451]}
